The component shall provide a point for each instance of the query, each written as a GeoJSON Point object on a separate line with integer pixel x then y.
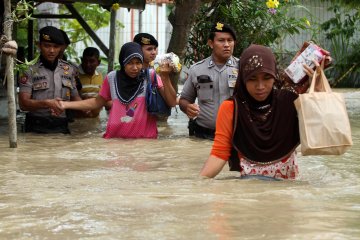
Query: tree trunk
{"type": "Point", "coordinates": [181, 21]}
{"type": "Point", "coordinates": [10, 78]}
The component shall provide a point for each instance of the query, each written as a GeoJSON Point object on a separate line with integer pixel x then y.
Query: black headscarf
{"type": "Point", "coordinates": [127, 88]}
{"type": "Point", "coordinates": [268, 130]}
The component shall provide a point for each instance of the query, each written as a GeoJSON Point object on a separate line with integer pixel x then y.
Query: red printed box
{"type": "Point", "coordinates": [296, 70]}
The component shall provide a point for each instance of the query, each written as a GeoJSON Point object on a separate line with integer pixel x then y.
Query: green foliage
{"type": "Point", "coordinates": [253, 21]}
{"type": "Point", "coordinates": [22, 11]}
{"type": "Point", "coordinates": [95, 16]}
{"type": "Point", "coordinates": [341, 31]}
{"type": "Point", "coordinates": [21, 67]}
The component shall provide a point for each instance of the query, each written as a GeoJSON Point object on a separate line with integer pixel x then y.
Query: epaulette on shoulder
{"type": "Point", "coordinates": [69, 64]}
{"type": "Point", "coordinates": [63, 62]}
{"type": "Point", "coordinates": [197, 63]}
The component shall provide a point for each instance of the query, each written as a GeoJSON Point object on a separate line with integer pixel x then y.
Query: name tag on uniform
{"type": "Point", "coordinates": [39, 78]}
{"type": "Point", "coordinates": [40, 85]}
{"type": "Point", "coordinates": [65, 77]}
{"type": "Point", "coordinates": [66, 82]}
{"type": "Point", "coordinates": [232, 77]}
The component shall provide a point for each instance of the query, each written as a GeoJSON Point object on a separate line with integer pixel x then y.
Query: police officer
{"type": "Point", "coordinates": [210, 81]}
{"type": "Point", "coordinates": [149, 46]}
{"type": "Point", "coordinates": [44, 83]}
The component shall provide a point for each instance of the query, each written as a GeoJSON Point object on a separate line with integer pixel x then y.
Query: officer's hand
{"type": "Point", "coordinates": [55, 106]}
{"type": "Point", "coordinates": [192, 110]}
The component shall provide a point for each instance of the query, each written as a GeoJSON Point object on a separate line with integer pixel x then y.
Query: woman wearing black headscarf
{"type": "Point", "coordinates": [126, 89]}
{"type": "Point", "coordinates": [257, 130]}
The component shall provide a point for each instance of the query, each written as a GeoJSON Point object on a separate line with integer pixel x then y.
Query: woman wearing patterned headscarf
{"type": "Point", "coordinates": [257, 130]}
{"type": "Point", "coordinates": [126, 89]}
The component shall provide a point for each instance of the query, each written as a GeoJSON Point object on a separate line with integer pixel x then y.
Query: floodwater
{"type": "Point", "coordinates": [82, 186]}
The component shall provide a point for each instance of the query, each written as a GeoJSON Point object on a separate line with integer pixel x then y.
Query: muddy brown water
{"type": "Point", "coordinates": [81, 186]}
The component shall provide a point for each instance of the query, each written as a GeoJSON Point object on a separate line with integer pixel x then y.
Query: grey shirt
{"type": "Point", "coordinates": [211, 86]}
{"type": "Point", "coordinates": [42, 83]}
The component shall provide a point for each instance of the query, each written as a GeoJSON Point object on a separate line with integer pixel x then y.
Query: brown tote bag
{"type": "Point", "coordinates": [323, 120]}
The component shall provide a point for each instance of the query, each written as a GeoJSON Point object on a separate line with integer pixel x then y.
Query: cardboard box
{"type": "Point", "coordinates": [296, 70]}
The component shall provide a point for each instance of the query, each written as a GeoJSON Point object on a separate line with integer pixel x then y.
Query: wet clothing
{"type": "Point", "coordinates": [258, 137]}
{"type": "Point", "coordinates": [199, 131]}
{"type": "Point", "coordinates": [129, 120]}
{"type": "Point", "coordinates": [270, 126]}
{"type": "Point", "coordinates": [210, 85]}
{"type": "Point", "coordinates": [46, 124]}
{"type": "Point", "coordinates": [285, 168]}
{"type": "Point", "coordinates": [43, 83]}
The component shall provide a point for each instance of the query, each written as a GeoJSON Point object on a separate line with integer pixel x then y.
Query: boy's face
{"type": "Point", "coordinates": [89, 64]}
{"type": "Point", "coordinates": [150, 52]}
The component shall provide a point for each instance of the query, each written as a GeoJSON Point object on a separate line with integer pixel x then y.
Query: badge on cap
{"type": "Point", "coordinates": [219, 26]}
{"type": "Point", "coordinates": [145, 41]}
{"type": "Point", "coordinates": [46, 37]}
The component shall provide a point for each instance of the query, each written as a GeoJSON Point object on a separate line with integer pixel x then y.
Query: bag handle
{"type": "Point", "coordinates": [152, 78]}
{"type": "Point", "coordinates": [319, 72]}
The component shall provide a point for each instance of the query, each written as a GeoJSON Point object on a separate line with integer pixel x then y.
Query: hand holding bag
{"type": "Point", "coordinates": [156, 105]}
{"type": "Point", "coordinates": [323, 120]}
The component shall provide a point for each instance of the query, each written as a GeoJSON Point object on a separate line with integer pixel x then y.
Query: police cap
{"type": "Point", "coordinates": [145, 39]}
{"type": "Point", "coordinates": [223, 27]}
{"type": "Point", "coordinates": [51, 34]}
{"type": "Point", "coordinates": [66, 38]}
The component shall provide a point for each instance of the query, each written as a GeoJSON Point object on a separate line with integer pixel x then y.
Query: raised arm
{"type": "Point", "coordinates": [167, 92]}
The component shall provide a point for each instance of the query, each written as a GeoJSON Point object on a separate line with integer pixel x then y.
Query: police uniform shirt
{"type": "Point", "coordinates": [211, 86]}
{"type": "Point", "coordinates": [42, 83]}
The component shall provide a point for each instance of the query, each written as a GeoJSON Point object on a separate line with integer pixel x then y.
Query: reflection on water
{"type": "Point", "coordinates": [84, 186]}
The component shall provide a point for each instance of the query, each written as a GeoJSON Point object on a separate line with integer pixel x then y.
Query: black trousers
{"type": "Point", "coordinates": [199, 131]}
{"type": "Point", "coordinates": [46, 124]}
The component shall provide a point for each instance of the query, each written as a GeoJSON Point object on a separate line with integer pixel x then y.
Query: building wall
{"type": "Point", "coordinates": [316, 12]}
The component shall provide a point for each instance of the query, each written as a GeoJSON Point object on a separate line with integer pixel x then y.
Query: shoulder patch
{"type": "Point", "coordinates": [24, 78]}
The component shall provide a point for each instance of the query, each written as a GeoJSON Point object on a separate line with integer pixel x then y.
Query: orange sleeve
{"type": "Point", "coordinates": [224, 129]}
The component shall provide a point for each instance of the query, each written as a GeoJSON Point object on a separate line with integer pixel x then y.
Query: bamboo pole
{"type": "Point", "coordinates": [10, 77]}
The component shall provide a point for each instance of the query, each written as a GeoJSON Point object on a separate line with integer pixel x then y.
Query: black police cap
{"type": "Point", "coordinates": [51, 34]}
{"type": "Point", "coordinates": [66, 38]}
{"type": "Point", "coordinates": [145, 39]}
{"type": "Point", "coordinates": [223, 27]}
